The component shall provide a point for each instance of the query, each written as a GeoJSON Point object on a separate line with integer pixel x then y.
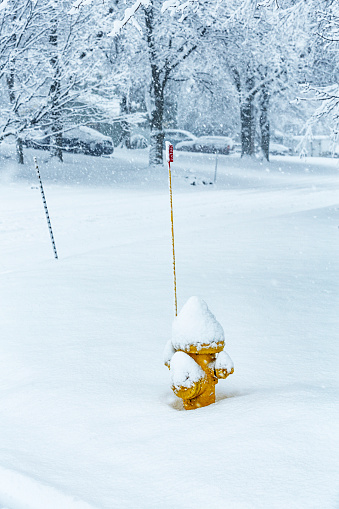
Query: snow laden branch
{"type": "Point", "coordinates": [329, 25]}
{"type": "Point", "coordinates": [118, 24]}
{"type": "Point", "coordinates": [129, 16]}
{"type": "Point", "coordinates": [3, 5]}
{"type": "Point", "coordinates": [174, 6]}
{"type": "Point", "coordinates": [78, 4]}
{"type": "Point", "coordinates": [183, 8]}
{"type": "Point", "coordinates": [329, 99]}
{"type": "Point", "coordinates": [269, 4]}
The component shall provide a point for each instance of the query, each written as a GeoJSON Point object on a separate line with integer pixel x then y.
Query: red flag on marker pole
{"type": "Point", "coordinates": [169, 152]}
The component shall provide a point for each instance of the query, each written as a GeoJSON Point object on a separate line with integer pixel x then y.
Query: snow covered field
{"type": "Point", "coordinates": [87, 416]}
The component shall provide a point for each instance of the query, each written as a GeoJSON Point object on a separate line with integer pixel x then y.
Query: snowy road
{"type": "Point", "coordinates": [87, 417]}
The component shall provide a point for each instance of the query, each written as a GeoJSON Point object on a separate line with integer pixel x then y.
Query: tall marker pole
{"type": "Point", "coordinates": [46, 209]}
{"type": "Point", "coordinates": [169, 159]}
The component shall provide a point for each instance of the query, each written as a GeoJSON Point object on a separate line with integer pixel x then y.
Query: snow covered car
{"type": "Point", "coordinates": [276, 149]}
{"type": "Point", "coordinates": [82, 140]}
{"type": "Point", "coordinates": [208, 144]}
{"type": "Point", "coordinates": [86, 140]}
{"type": "Point", "coordinates": [175, 136]}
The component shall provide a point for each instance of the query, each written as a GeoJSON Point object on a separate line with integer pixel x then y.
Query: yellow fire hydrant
{"type": "Point", "coordinates": [195, 355]}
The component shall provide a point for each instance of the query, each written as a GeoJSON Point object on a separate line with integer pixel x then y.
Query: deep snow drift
{"type": "Point", "coordinates": [88, 418]}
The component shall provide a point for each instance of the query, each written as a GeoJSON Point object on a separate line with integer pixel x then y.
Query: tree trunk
{"type": "Point", "coordinates": [125, 139]}
{"type": "Point", "coordinates": [54, 93]}
{"type": "Point", "coordinates": [264, 122]}
{"type": "Point", "coordinates": [19, 151]}
{"type": "Point", "coordinates": [157, 134]}
{"type": "Point", "coordinates": [247, 119]}
{"type": "Point", "coordinates": [12, 98]}
{"type": "Point", "coordinates": [156, 115]}
{"type": "Point", "coordinates": [18, 141]}
{"type": "Point", "coordinates": [56, 139]}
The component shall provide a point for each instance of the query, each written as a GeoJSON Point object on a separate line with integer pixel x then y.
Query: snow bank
{"type": "Point", "coordinates": [21, 492]}
{"type": "Point", "coordinates": [196, 328]}
{"type": "Point", "coordinates": [86, 405]}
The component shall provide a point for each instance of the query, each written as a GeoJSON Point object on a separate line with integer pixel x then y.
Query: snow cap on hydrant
{"type": "Point", "coordinates": [195, 355]}
{"type": "Point", "coordinates": [196, 330]}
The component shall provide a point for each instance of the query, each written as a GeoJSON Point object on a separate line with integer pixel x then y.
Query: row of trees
{"type": "Point", "coordinates": [57, 57]}
{"type": "Point", "coordinates": [48, 70]}
{"type": "Point", "coordinates": [30, 68]}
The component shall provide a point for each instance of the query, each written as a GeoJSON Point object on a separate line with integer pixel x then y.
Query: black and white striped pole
{"type": "Point", "coordinates": [46, 209]}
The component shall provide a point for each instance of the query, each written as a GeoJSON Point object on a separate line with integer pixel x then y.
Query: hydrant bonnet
{"type": "Point", "coordinates": [196, 330]}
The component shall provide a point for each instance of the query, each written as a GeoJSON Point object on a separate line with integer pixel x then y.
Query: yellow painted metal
{"type": "Point", "coordinates": [206, 348]}
{"type": "Point", "coordinates": [223, 373]}
{"type": "Point", "coordinates": [173, 250]}
{"type": "Point", "coordinates": [202, 392]}
{"type": "Point", "coordinates": [190, 393]}
{"type": "Point", "coordinates": [206, 395]}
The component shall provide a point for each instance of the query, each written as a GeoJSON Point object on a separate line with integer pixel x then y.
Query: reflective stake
{"type": "Point", "coordinates": [169, 159]}
{"type": "Point", "coordinates": [46, 209]}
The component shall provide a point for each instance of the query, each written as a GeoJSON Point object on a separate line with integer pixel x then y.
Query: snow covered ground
{"type": "Point", "coordinates": [87, 416]}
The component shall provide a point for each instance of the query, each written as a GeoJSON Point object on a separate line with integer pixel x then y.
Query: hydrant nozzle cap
{"type": "Point", "coordinates": [196, 330]}
{"type": "Point", "coordinates": [187, 377]}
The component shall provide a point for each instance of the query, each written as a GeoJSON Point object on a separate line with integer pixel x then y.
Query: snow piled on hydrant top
{"type": "Point", "coordinates": [196, 326]}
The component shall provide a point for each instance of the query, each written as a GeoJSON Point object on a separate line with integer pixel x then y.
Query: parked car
{"type": "Point", "coordinates": [175, 136]}
{"type": "Point", "coordinates": [208, 144]}
{"type": "Point", "coordinates": [86, 140]}
{"type": "Point", "coordinates": [236, 147]}
{"type": "Point", "coordinates": [37, 139]}
{"type": "Point", "coordinates": [277, 149]}
{"type": "Point", "coordinates": [82, 139]}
